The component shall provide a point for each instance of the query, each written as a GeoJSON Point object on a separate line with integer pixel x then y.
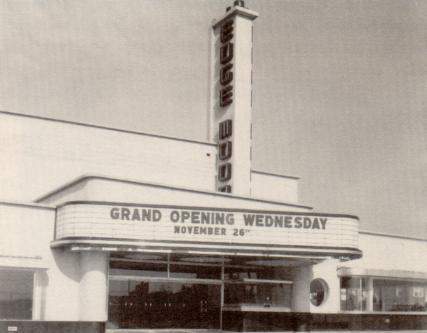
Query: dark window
{"type": "Point", "coordinates": [354, 294]}
{"type": "Point", "coordinates": [318, 292]}
{"type": "Point", "coordinates": [395, 295]}
{"type": "Point", "coordinates": [16, 294]}
{"type": "Point", "coordinates": [149, 304]}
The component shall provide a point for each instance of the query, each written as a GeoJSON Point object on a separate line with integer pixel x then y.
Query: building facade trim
{"type": "Point", "coordinates": [265, 250]}
{"type": "Point", "coordinates": [26, 204]}
{"type": "Point", "coordinates": [22, 262]}
{"type": "Point", "coordinates": [236, 10]}
{"type": "Point", "coordinates": [137, 182]}
{"type": "Point", "coordinates": [383, 234]}
{"type": "Point", "coordinates": [381, 273]}
{"type": "Point", "coordinates": [275, 174]}
{"type": "Point", "coordinates": [120, 130]}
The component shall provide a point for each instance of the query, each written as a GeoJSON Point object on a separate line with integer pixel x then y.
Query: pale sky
{"type": "Point", "coordinates": [340, 87]}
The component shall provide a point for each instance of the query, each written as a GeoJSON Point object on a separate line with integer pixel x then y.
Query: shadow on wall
{"type": "Point", "coordinates": [68, 263]}
{"type": "Point", "coordinates": [42, 282]}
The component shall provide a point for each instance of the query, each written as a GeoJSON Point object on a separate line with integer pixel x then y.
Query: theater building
{"type": "Point", "coordinates": [142, 231]}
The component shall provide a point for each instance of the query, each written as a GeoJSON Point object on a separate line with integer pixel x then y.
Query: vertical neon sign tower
{"type": "Point", "coordinates": [231, 98]}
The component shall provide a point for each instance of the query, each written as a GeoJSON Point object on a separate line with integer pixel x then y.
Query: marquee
{"type": "Point", "coordinates": [214, 227]}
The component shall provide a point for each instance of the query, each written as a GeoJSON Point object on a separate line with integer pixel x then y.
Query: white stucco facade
{"type": "Point", "coordinates": [78, 200]}
{"type": "Point", "coordinates": [66, 280]}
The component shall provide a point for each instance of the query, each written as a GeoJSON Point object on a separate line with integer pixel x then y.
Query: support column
{"type": "Point", "coordinates": [370, 300]}
{"type": "Point", "coordinates": [301, 288]}
{"type": "Point", "coordinates": [93, 286]}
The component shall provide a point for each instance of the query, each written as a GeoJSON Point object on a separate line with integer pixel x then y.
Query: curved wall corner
{"type": "Point", "coordinates": [93, 286]}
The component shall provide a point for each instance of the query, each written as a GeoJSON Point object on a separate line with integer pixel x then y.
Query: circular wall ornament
{"type": "Point", "coordinates": [318, 292]}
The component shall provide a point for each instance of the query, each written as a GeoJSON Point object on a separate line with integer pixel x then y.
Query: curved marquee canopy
{"type": "Point", "coordinates": [144, 227]}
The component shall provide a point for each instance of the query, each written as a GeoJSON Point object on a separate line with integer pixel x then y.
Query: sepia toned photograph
{"type": "Point", "coordinates": [213, 166]}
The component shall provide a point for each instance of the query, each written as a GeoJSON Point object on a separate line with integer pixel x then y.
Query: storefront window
{"type": "Point", "coordinates": [134, 268]}
{"type": "Point", "coordinates": [241, 273]}
{"type": "Point", "coordinates": [255, 286]}
{"type": "Point", "coordinates": [184, 291]}
{"type": "Point", "coordinates": [150, 304]}
{"type": "Point", "coordinates": [259, 294]}
{"type": "Point", "coordinates": [395, 295]}
{"type": "Point", "coordinates": [318, 292]}
{"type": "Point", "coordinates": [354, 294]}
{"type": "Point", "coordinates": [195, 272]}
{"type": "Point", "coordinates": [16, 294]}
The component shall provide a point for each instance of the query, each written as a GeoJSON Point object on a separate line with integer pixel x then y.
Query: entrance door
{"type": "Point", "coordinates": [153, 304]}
